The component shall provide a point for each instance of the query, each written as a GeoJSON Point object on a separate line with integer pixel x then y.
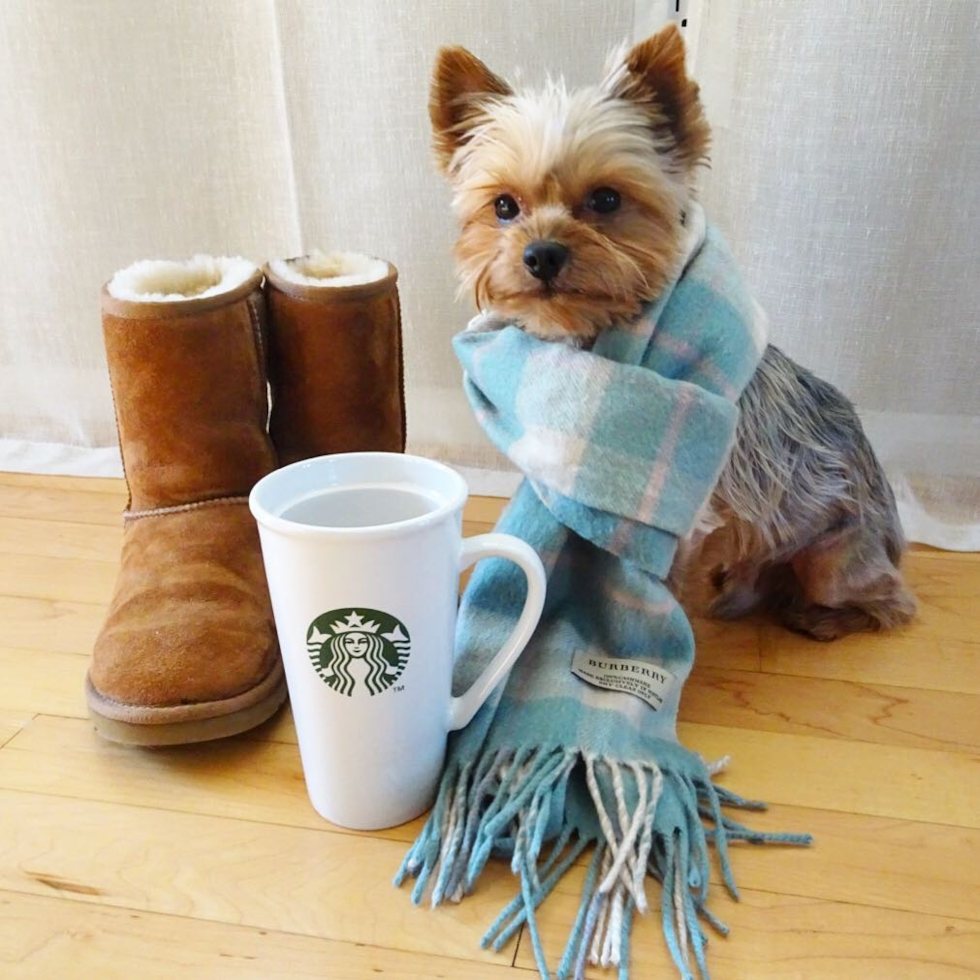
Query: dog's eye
{"type": "Point", "coordinates": [506, 207]}
{"type": "Point", "coordinates": [604, 200]}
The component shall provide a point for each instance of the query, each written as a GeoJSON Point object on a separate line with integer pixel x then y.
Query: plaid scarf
{"type": "Point", "coordinates": [621, 447]}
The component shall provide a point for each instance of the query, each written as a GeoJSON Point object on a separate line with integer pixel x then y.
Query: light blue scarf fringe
{"type": "Point", "coordinates": [512, 804]}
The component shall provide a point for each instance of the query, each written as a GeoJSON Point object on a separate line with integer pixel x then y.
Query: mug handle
{"type": "Point", "coordinates": [494, 545]}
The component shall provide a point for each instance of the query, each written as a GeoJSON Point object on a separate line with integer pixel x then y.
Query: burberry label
{"type": "Point", "coordinates": [643, 678]}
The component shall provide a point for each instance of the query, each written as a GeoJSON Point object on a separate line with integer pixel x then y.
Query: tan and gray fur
{"type": "Point", "coordinates": [802, 523]}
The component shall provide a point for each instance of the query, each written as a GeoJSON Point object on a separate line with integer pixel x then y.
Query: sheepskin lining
{"type": "Point", "coordinates": [166, 281]}
{"type": "Point", "coordinates": [332, 269]}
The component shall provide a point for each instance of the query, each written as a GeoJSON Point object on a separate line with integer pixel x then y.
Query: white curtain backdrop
{"type": "Point", "coordinates": [845, 175]}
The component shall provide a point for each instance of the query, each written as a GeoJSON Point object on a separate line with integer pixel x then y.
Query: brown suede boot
{"type": "Point", "coordinates": [188, 651]}
{"type": "Point", "coordinates": [335, 356]}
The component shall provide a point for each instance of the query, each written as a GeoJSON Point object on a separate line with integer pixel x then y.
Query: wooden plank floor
{"type": "Point", "coordinates": [209, 862]}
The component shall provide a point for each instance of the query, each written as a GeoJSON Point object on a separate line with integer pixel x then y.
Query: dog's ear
{"type": "Point", "coordinates": [460, 84]}
{"type": "Point", "coordinates": [653, 74]}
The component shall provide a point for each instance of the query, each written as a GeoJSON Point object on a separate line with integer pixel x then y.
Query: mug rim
{"type": "Point", "coordinates": [297, 529]}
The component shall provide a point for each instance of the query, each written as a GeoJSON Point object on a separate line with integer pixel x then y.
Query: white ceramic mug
{"type": "Point", "coordinates": [363, 553]}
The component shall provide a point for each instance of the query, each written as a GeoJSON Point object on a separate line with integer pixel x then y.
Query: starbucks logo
{"type": "Point", "coordinates": [358, 646]}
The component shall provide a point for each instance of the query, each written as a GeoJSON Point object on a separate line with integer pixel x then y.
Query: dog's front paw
{"type": "Point", "coordinates": [736, 597]}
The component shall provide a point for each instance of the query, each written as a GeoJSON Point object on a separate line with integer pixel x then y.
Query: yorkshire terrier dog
{"type": "Point", "coordinates": [571, 206]}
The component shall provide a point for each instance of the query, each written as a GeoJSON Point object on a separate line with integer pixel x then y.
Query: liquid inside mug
{"type": "Point", "coordinates": [363, 553]}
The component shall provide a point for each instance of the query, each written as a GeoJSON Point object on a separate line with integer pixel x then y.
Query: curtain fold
{"type": "Point", "coordinates": [845, 174]}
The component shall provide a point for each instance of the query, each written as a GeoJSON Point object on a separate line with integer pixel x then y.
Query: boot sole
{"type": "Point", "coordinates": [130, 724]}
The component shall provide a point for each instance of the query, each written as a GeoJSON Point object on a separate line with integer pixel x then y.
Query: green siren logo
{"type": "Point", "coordinates": [351, 645]}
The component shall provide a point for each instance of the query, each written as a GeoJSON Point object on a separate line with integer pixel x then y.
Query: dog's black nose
{"type": "Point", "coordinates": [544, 259]}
